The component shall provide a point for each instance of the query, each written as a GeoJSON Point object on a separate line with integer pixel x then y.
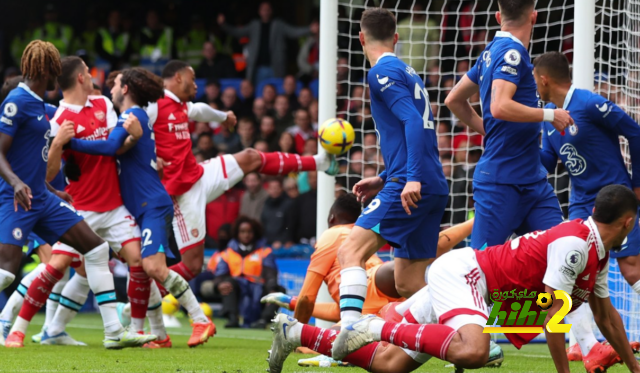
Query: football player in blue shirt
{"type": "Point", "coordinates": [510, 187]}
{"type": "Point", "coordinates": [142, 191]}
{"type": "Point", "coordinates": [411, 194]}
{"type": "Point", "coordinates": [590, 151]}
{"type": "Point", "coordinates": [28, 203]}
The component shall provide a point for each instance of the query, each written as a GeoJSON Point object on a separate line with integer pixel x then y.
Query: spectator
{"type": "Point", "coordinates": [274, 214]}
{"type": "Point", "coordinates": [200, 128]}
{"type": "Point", "coordinates": [369, 171]}
{"type": "Point", "coordinates": [253, 199]}
{"type": "Point", "coordinates": [229, 100]}
{"type": "Point", "coordinates": [302, 216]}
{"type": "Point", "coordinates": [302, 129]}
{"type": "Point", "coordinates": [245, 272]}
{"type": "Point", "coordinates": [309, 57]}
{"type": "Point", "coordinates": [267, 42]}
{"type": "Point", "coordinates": [282, 114]}
{"type": "Point", "coordinates": [262, 146]}
{"type": "Point", "coordinates": [84, 43]}
{"type": "Point", "coordinates": [287, 143]}
{"type": "Point", "coordinates": [223, 210]}
{"type": "Point", "coordinates": [291, 188]}
{"type": "Point", "coordinates": [268, 133]}
{"type": "Point", "coordinates": [356, 163]}
{"type": "Point", "coordinates": [190, 46]}
{"type": "Point", "coordinates": [227, 142]}
{"type": "Point", "coordinates": [444, 146]}
{"type": "Point", "coordinates": [11, 72]}
{"type": "Point", "coordinates": [22, 39]}
{"type": "Point", "coordinates": [370, 147]}
{"type": "Point", "coordinates": [246, 98]}
{"type": "Point", "coordinates": [156, 43]}
{"type": "Point", "coordinates": [113, 44]}
{"type": "Point", "coordinates": [290, 86]}
{"type": "Point", "coordinates": [246, 131]}
{"type": "Point", "coordinates": [415, 34]}
{"type": "Point", "coordinates": [259, 110]}
{"type": "Point", "coordinates": [224, 236]}
{"type": "Point", "coordinates": [58, 34]}
{"type": "Point", "coordinates": [212, 93]}
{"type": "Point", "coordinates": [269, 94]}
{"type": "Point", "coordinates": [310, 147]}
{"type": "Point", "coordinates": [214, 65]}
{"type": "Point", "coordinates": [305, 97]}
{"type": "Point", "coordinates": [206, 146]}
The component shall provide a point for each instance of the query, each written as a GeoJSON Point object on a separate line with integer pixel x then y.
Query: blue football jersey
{"type": "Point", "coordinates": [23, 117]}
{"type": "Point", "coordinates": [404, 122]}
{"type": "Point", "coordinates": [140, 183]}
{"type": "Point", "coordinates": [50, 110]}
{"type": "Point", "coordinates": [590, 149]}
{"type": "Point", "coordinates": [59, 182]}
{"type": "Point", "coordinates": [511, 154]}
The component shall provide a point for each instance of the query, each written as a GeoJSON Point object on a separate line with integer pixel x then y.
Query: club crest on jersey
{"type": "Point", "coordinates": [512, 57]}
{"type": "Point", "coordinates": [100, 115]}
{"type": "Point", "coordinates": [487, 57]}
{"type": "Point", "coordinates": [194, 232]}
{"type": "Point", "coordinates": [17, 233]}
{"type": "Point", "coordinates": [573, 129]}
{"type": "Point", "coordinates": [10, 110]}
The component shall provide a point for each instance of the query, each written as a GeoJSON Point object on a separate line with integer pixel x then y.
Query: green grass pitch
{"type": "Point", "coordinates": [230, 351]}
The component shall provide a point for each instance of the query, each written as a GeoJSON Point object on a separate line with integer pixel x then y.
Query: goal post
{"type": "Point", "coordinates": [584, 42]}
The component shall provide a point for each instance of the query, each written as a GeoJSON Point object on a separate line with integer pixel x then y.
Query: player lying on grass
{"type": "Point", "coordinates": [191, 185]}
{"type": "Point", "coordinates": [590, 150]}
{"type": "Point", "coordinates": [24, 148]}
{"type": "Point", "coordinates": [142, 191]}
{"type": "Point", "coordinates": [448, 321]}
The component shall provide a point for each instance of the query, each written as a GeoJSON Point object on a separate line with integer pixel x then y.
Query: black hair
{"type": "Point", "coordinates": [613, 202]}
{"type": "Point", "coordinates": [172, 67]}
{"type": "Point", "coordinates": [346, 208]}
{"type": "Point", "coordinates": [144, 86]}
{"type": "Point", "coordinates": [378, 24]}
{"type": "Point", "coordinates": [71, 67]}
{"type": "Point", "coordinates": [255, 226]}
{"type": "Point", "coordinates": [554, 65]}
{"type": "Point", "coordinates": [515, 10]}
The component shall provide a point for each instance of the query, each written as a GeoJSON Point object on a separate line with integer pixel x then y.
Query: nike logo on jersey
{"type": "Point", "coordinates": [550, 132]}
{"type": "Point", "coordinates": [40, 117]}
{"type": "Point", "coordinates": [382, 80]}
{"type": "Point", "coordinates": [80, 128]}
{"type": "Point", "coordinates": [603, 108]}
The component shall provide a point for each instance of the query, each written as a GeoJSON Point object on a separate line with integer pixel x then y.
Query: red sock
{"type": "Point", "coordinates": [320, 341]}
{"type": "Point", "coordinates": [39, 291]}
{"type": "Point", "coordinates": [183, 271]}
{"type": "Point", "coordinates": [433, 339]}
{"type": "Point", "coordinates": [138, 292]}
{"type": "Point", "coordinates": [278, 163]}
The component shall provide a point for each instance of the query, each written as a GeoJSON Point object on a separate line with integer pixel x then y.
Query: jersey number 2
{"type": "Point", "coordinates": [417, 94]}
{"type": "Point", "coordinates": [146, 234]}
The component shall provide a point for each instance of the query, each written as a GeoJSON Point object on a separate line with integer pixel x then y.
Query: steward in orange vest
{"type": "Point", "coordinates": [245, 272]}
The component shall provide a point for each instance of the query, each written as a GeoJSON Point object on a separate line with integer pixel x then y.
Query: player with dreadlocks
{"type": "Point", "coordinates": [144, 195]}
{"type": "Point", "coordinates": [28, 203]}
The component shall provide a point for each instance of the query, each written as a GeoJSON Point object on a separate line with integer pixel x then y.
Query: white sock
{"type": "Point", "coordinates": [154, 313]}
{"type": "Point", "coordinates": [353, 290]}
{"type": "Point", "coordinates": [322, 162]}
{"type": "Point", "coordinates": [73, 296]}
{"type": "Point", "coordinates": [180, 289]}
{"type": "Point", "coordinates": [294, 333]}
{"type": "Point", "coordinates": [20, 325]}
{"type": "Point", "coordinates": [375, 328]}
{"type": "Point", "coordinates": [54, 298]}
{"type": "Point", "coordinates": [6, 278]}
{"type": "Point", "coordinates": [636, 287]}
{"type": "Point", "coordinates": [101, 282]}
{"type": "Point", "coordinates": [580, 321]}
{"type": "Point", "coordinates": [11, 309]}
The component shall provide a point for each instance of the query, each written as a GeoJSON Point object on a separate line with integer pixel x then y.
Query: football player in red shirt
{"type": "Point", "coordinates": [192, 185]}
{"type": "Point", "coordinates": [448, 319]}
{"type": "Point", "coordinates": [96, 194]}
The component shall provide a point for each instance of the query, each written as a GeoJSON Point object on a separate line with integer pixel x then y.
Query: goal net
{"type": "Point", "coordinates": [441, 39]}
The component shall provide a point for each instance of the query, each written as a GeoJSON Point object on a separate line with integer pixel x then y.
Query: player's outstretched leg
{"type": "Point", "coordinates": [277, 163]}
{"type": "Point", "coordinates": [96, 254]}
{"type": "Point", "coordinates": [72, 298]}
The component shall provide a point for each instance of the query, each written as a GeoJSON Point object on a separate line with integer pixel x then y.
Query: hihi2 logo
{"type": "Point", "coordinates": [518, 317]}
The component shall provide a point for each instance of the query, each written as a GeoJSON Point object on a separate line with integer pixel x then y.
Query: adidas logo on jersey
{"type": "Point", "coordinates": [586, 277]}
{"type": "Point", "coordinates": [172, 117]}
{"type": "Point", "coordinates": [80, 128]}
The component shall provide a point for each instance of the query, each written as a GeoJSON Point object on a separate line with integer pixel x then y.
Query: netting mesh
{"type": "Point", "coordinates": [441, 39]}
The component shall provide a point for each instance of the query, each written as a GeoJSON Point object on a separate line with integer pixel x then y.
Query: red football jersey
{"type": "Point", "coordinates": [173, 145]}
{"type": "Point", "coordinates": [98, 188]}
{"type": "Point", "coordinates": [569, 257]}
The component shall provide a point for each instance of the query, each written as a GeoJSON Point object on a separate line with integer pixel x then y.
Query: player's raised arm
{"type": "Point", "coordinates": [61, 135]}
{"type": "Point", "coordinates": [458, 102]}
{"type": "Point", "coordinates": [202, 112]}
